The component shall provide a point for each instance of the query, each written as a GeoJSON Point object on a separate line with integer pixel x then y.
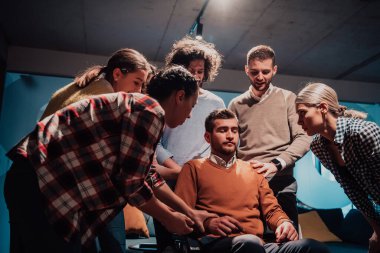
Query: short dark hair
{"type": "Point", "coordinates": [188, 49]}
{"type": "Point", "coordinates": [218, 114]}
{"type": "Point", "coordinates": [261, 52]}
{"type": "Point", "coordinates": [171, 79]}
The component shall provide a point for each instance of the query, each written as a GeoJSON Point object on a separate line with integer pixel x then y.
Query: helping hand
{"type": "Point", "coordinates": [199, 216]}
{"type": "Point", "coordinates": [269, 169]}
{"type": "Point", "coordinates": [223, 226]}
{"type": "Point", "coordinates": [178, 224]}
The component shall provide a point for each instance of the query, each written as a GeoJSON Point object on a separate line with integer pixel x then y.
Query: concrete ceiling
{"type": "Point", "coordinates": [333, 39]}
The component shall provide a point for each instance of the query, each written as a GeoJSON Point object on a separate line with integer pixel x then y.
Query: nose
{"type": "Point", "coordinates": [229, 135]}
{"type": "Point", "coordinates": [299, 122]}
{"type": "Point", "coordinates": [198, 78]}
{"type": "Point", "coordinates": [138, 90]}
{"type": "Point", "coordinates": [189, 116]}
{"type": "Point", "coordinates": [260, 76]}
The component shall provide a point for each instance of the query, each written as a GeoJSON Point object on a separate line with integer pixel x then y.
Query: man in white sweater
{"type": "Point", "coordinates": [270, 137]}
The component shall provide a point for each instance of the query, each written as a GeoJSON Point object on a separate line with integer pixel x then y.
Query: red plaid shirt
{"type": "Point", "coordinates": [92, 157]}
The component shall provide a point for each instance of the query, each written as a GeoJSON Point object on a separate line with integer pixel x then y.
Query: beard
{"type": "Point", "coordinates": [261, 87]}
{"type": "Point", "coordinates": [224, 150]}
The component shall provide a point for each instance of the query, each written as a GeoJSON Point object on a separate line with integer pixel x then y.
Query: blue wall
{"type": "Point", "coordinates": [316, 185]}
{"type": "Point", "coordinates": [26, 95]}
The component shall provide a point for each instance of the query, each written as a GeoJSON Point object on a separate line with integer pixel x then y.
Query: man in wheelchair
{"type": "Point", "coordinates": [229, 187]}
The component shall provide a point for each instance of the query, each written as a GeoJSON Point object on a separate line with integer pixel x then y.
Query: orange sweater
{"type": "Point", "coordinates": [238, 192]}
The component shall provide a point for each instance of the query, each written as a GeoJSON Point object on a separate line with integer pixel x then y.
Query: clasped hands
{"type": "Point", "coordinates": [225, 225]}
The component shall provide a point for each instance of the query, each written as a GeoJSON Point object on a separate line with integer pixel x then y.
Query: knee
{"type": "Point", "coordinates": [247, 243]}
{"type": "Point", "coordinates": [312, 246]}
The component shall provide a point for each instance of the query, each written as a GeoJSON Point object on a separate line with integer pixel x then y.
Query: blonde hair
{"type": "Point", "coordinates": [315, 93]}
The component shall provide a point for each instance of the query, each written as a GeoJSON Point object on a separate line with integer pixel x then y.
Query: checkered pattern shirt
{"type": "Point", "coordinates": [92, 157]}
{"type": "Point", "coordinates": [358, 142]}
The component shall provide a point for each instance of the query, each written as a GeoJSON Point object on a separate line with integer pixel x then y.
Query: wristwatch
{"type": "Point", "coordinates": [277, 163]}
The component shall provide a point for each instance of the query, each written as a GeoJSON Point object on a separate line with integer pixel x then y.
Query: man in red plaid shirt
{"type": "Point", "coordinates": [81, 165]}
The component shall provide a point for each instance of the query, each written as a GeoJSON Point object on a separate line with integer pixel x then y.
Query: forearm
{"type": "Point", "coordinates": [171, 164]}
{"type": "Point", "coordinates": [157, 209]}
{"type": "Point", "coordinates": [296, 150]}
{"type": "Point", "coordinates": [167, 173]}
{"type": "Point", "coordinates": [167, 196]}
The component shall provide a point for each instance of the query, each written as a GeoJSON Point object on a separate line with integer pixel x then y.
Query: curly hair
{"type": "Point", "coordinates": [188, 49]}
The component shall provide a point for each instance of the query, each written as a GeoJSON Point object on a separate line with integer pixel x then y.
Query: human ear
{"type": "Point", "coordinates": [207, 137]}
{"type": "Point", "coordinates": [116, 74]}
{"type": "Point", "coordinates": [180, 96]}
{"type": "Point", "coordinates": [324, 107]}
{"type": "Point", "coordinates": [246, 69]}
{"type": "Point", "coordinates": [275, 69]}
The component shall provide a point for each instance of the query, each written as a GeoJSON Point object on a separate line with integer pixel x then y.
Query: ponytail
{"type": "Point", "coordinates": [316, 93]}
{"type": "Point", "coordinates": [89, 75]}
{"type": "Point", "coordinates": [342, 111]}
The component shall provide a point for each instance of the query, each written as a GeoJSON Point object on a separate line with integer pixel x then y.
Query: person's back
{"type": "Point", "coordinates": [80, 166]}
{"type": "Point", "coordinates": [71, 93]}
{"type": "Point", "coordinates": [82, 144]}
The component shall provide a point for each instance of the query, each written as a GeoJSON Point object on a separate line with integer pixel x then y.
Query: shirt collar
{"type": "Point", "coordinates": [265, 95]}
{"type": "Point", "coordinates": [341, 125]}
{"type": "Point", "coordinates": [219, 161]}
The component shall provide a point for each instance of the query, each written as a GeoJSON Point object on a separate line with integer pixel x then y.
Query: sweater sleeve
{"type": "Point", "coordinates": [300, 140]}
{"type": "Point", "coordinates": [161, 152]}
{"type": "Point", "coordinates": [186, 187]}
{"type": "Point", "coordinates": [271, 210]}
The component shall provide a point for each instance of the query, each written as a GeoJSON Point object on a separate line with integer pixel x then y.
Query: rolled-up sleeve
{"type": "Point", "coordinates": [154, 179]}
{"type": "Point", "coordinates": [140, 196]}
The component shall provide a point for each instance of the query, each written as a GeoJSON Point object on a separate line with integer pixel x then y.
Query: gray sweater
{"type": "Point", "coordinates": [269, 128]}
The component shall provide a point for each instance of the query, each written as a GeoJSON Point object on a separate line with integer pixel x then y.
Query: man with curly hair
{"type": "Point", "coordinates": [181, 144]}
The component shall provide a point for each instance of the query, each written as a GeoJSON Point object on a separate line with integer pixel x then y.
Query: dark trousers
{"type": "Point", "coordinates": [163, 236]}
{"type": "Point", "coordinates": [30, 230]}
{"type": "Point", "coordinates": [112, 238]}
{"type": "Point", "coordinates": [285, 189]}
{"type": "Point", "coordinates": [251, 243]}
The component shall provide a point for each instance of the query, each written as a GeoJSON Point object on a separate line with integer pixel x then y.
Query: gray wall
{"type": "Point", "coordinates": [58, 63]}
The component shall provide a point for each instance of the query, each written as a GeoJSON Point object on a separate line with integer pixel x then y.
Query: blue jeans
{"type": "Point", "coordinates": [112, 238]}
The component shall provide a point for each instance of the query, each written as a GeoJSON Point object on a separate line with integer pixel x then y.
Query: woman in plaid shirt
{"type": "Point", "coordinates": [348, 146]}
